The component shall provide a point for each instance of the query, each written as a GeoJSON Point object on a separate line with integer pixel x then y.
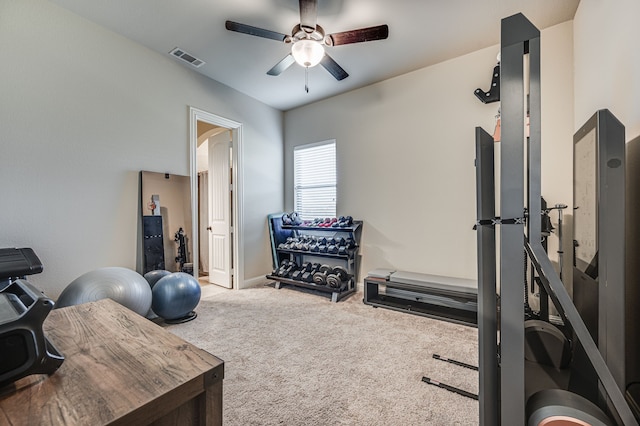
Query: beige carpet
{"type": "Point", "coordinates": [294, 358]}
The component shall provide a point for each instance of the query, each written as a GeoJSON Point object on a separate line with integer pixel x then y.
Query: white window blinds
{"type": "Point", "coordinates": [314, 180]}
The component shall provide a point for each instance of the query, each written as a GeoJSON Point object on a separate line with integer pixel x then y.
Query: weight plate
{"type": "Point", "coordinates": [320, 278]}
{"type": "Point", "coordinates": [326, 269]}
{"type": "Point", "coordinates": [333, 281]}
{"type": "Point", "coordinates": [342, 273]}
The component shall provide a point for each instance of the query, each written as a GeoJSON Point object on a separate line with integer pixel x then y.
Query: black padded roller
{"type": "Point", "coordinates": [571, 408]}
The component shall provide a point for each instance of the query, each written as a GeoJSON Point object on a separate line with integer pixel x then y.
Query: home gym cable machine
{"type": "Point", "coordinates": [502, 394]}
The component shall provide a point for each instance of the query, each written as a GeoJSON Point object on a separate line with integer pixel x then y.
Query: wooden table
{"type": "Point", "coordinates": [120, 369]}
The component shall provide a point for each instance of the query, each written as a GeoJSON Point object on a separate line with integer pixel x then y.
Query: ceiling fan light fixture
{"type": "Point", "coordinates": [308, 53]}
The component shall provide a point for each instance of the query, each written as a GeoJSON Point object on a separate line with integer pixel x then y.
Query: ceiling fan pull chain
{"type": "Point", "coordinates": [306, 79]}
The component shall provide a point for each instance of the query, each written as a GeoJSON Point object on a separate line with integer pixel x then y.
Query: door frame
{"type": "Point", "coordinates": [237, 201]}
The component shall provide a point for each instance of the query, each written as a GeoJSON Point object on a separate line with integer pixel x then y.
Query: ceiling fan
{"type": "Point", "coordinates": [308, 40]}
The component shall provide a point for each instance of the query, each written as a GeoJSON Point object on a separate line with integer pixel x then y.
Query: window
{"type": "Point", "coordinates": [314, 180]}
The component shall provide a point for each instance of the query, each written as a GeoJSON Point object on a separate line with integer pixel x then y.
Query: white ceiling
{"type": "Point", "coordinates": [421, 33]}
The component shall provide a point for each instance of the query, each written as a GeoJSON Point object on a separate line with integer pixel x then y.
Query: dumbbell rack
{"type": "Point", "coordinates": [349, 260]}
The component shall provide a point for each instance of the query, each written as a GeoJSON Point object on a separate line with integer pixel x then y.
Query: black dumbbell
{"type": "Point", "coordinates": [346, 245]}
{"type": "Point", "coordinates": [320, 277]}
{"type": "Point", "coordinates": [322, 248]}
{"type": "Point", "coordinates": [301, 274]}
{"type": "Point", "coordinates": [276, 271]}
{"type": "Point", "coordinates": [345, 222]}
{"type": "Point", "coordinates": [337, 278]}
{"type": "Point", "coordinates": [288, 244]}
{"type": "Point", "coordinates": [283, 265]}
{"type": "Point", "coordinates": [292, 218]}
{"type": "Point", "coordinates": [341, 273]}
{"type": "Point", "coordinates": [308, 275]}
{"type": "Point", "coordinates": [289, 270]}
{"type": "Point", "coordinates": [286, 220]}
{"type": "Point", "coordinates": [304, 246]}
{"type": "Point", "coordinates": [314, 268]}
{"type": "Point", "coordinates": [333, 249]}
{"type": "Point", "coordinates": [297, 275]}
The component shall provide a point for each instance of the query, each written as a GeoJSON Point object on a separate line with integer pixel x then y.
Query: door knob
{"type": "Point", "coordinates": [208, 228]}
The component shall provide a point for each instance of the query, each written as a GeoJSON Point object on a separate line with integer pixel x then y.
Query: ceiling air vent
{"type": "Point", "coordinates": [190, 59]}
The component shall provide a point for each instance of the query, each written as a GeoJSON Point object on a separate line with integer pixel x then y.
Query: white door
{"type": "Point", "coordinates": [220, 272]}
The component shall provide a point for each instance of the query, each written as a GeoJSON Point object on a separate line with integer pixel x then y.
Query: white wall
{"type": "Point", "coordinates": [556, 71]}
{"type": "Point", "coordinates": [82, 110]}
{"type": "Point", "coordinates": [405, 151]}
{"type": "Point", "coordinates": [607, 62]}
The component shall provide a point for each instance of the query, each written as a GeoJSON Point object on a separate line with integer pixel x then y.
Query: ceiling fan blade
{"type": "Point", "coordinates": [334, 69]}
{"type": "Point", "coordinates": [254, 31]}
{"type": "Point", "coordinates": [358, 36]}
{"type": "Point", "coordinates": [282, 65]}
{"type": "Point", "coordinates": [308, 14]}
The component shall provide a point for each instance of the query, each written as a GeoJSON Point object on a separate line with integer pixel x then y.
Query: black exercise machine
{"type": "Point", "coordinates": [507, 394]}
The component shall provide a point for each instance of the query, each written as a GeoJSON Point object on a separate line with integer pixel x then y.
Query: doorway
{"type": "Point", "coordinates": [216, 191]}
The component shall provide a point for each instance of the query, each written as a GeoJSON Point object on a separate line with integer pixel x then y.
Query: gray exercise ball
{"type": "Point", "coordinates": [122, 285]}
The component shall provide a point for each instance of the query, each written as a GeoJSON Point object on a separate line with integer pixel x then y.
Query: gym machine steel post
{"type": "Point", "coordinates": [502, 394]}
{"type": "Point", "coordinates": [605, 284]}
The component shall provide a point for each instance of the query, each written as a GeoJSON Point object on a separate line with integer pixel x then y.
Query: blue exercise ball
{"type": "Point", "coordinates": [175, 296]}
{"type": "Point", "coordinates": [152, 277]}
{"type": "Point", "coordinates": [122, 285]}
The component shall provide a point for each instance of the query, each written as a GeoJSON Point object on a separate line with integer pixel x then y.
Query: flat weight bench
{"type": "Point", "coordinates": [435, 296]}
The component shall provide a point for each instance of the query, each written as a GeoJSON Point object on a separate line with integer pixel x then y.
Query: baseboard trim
{"type": "Point", "coordinates": [258, 281]}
